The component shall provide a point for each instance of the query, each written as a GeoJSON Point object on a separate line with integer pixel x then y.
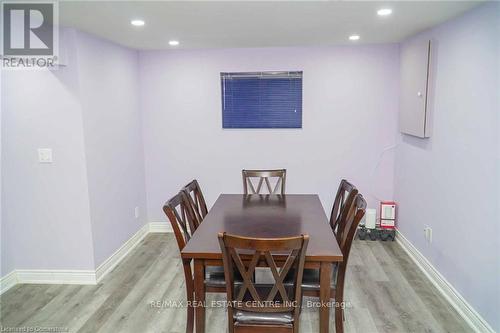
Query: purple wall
{"type": "Point", "coordinates": [75, 212]}
{"type": "Point", "coordinates": [109, 78]}
{"type": "Point", "coordinates": [350, 99]}
{"type": "Point", "coordinates": [450, 181]}
{"type": "Point", "coordinates": [45, 216]}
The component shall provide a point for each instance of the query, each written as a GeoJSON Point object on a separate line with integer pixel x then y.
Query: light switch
{"type": "Point", "coordinates": [45, 155]}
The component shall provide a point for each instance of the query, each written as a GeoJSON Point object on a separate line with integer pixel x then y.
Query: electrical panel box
{"type": "Point", "coordinates": [415, 92]}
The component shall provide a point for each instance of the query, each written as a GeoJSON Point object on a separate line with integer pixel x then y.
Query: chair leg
{"type": "Point", "coordinates": [189, 296]}
{"type": "Point", "coordinates": [339, 312]}
{"type": "Point", "coordinates": [339, 322]}
{"type": "Point", "coordinates": [189, 308]}
{"type": "Point", "coordinates": [339, 299]}
{"type": "Point", "coordinates": [190, 318]}
{"type": "Point", "coordinates": [230, 320]}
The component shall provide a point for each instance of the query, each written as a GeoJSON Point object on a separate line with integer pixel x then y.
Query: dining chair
{"type": "Point", "coordinates": [344, 198]}
{"type": "Point", "coordinates": [311, 277]}
{"type": "Point", "coordinates": [264, 176]}
{"type": "Point", "coordinates": [182, 218]}
{"type": "Point", "coordinates": [196, 201]}
{"type": "Point", "coordinates": [263, 307]}
{"type": "Point", "coordinates": [215, 274]}
{"type": "Point", "coordinates": [346, 236]}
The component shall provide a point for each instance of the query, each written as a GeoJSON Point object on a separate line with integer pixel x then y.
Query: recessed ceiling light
{"type": "Point", "coordinates": [173, 42]}
{"type": "Point", "coordinates": [354, 37]}
{"type": "Point", "coordinates": [137, 23]}
{"type": "Point", "coordinates": [384, 12]}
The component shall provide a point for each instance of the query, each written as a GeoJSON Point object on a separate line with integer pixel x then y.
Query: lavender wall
{"type": "Point", "coordinates": [108, 78]}
{"type": "Point", "coordinates": [75, 212]}
{"type": "Point", "coordinates": [350, 99]}
{"type": "Point", "coordinates": [45, 216]}
{"type": "Point", "coordinates": [450, 181]}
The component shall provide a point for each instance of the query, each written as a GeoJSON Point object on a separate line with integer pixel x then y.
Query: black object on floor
{"type": "Point", "coordinates": [377, 233]}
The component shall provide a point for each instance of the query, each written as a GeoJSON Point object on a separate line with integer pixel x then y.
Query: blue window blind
{"type": "Point", "coordinates": [262, 100]}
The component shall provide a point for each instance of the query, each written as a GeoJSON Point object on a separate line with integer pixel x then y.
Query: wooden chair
{"type": "Point", "coordinates": [311, 277]}
{"type": "Point", "coordinates": [344, 198]}
{"type": "Point", "coordinates": [346, 236]}
{"type": "Point", "coordinates": [183, 221]}
{"type": "Point", "coordinates": [215, 274]}
{"type": "Point", "coordinates": [264, 176]}
{"type": "Point", "coordinates": [263, 308]}
{"type": "Point", "coordinates": [196, 201]}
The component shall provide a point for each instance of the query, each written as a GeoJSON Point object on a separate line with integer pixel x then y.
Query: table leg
{"type": "Point", "coordinates": [199, 294]}
{"type": "Point", "coordinates": [325, 276]}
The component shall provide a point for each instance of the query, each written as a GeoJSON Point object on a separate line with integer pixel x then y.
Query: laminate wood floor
{"type": "Point", "coordinates": [385, 292]}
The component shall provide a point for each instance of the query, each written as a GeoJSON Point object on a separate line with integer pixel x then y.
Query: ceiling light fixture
{"type": "Point", "coordinates": [384, 12]}
{"type": "Point", "coordinates": [354, 37]}
{"type": "Point", "coordinates": [137, 23]}
{"type": "Point", "coordinates": [173, 42]}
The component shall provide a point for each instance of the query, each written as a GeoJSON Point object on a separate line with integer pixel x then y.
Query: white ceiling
{"type": "Point", "coordinates": [255, 24]}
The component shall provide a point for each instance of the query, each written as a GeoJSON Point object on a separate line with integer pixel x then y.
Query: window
{"type": "Point", "coordinates": [262, 100]}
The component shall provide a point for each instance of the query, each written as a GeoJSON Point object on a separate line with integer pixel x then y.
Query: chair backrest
{"type": "Point", "coordinates": [263, 176]}
{"type": "Point", "coordinates": [181, 217]}
{"type": "Point", "coordinates": [196, 200]}
{"type": "Point", "coordinates": [346, 235]}
{"type": "Point", "coordinates": [243, 254]}
{"type": "Point", "coordinates": [348, 230]}
{"type": "Point", "coordinates": [344, 198]}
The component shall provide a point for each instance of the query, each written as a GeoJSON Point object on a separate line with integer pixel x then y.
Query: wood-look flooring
{"type": "Point", "coordinates": [385, 293]}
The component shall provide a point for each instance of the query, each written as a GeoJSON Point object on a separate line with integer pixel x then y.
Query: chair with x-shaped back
{"type": "Point", "coordinates": [264, 176]}
{"type": "Point", "coordinates": [196, 200]}
{"type": "Point", "coordinates": [263, 307]}
{"type": "Point", "coordinates": [344, 198]}
{"type": "Point", "coordinates": [182, 218]}
{"type": "Point", "coordinates": [345, 235]}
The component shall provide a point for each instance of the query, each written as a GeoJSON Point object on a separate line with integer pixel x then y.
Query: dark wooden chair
{"type": "Point", "coordinates": [214, 274]}
{"type": "Point", "coordinates": [346, 236]}
{"type": "Point", "coordinates": [196, 200]}
{"type": "Point", "coordinates": [344, 198]}
{"type": "Point", "coordinates": [270, 307]}
{"type": "Point", "coordinates": [183, 221]}
{"type": "Point", "coordinates": [263, 176]}
{"type": "Point", "coordinates": [311, 277]}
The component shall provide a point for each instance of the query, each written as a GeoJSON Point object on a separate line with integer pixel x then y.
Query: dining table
{"type": "Point", "coordinates": [265, 216]}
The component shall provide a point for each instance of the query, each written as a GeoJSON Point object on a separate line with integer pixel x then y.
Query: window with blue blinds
{"type": "Point", "coordinates": [262, 100]}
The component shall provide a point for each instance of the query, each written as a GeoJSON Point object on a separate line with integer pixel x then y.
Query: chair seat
{"type": "Point", "coordinates": [242, 317]}
{"type": "Point", "coordinates": [310, 279]}
{"type": "Point", "coordinates": [214, 277]}
{"type": "Point", "coordinates": [262, 318]}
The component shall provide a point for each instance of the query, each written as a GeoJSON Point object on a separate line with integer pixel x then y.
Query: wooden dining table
{"type": "Point", "coordinates": [265, 216]}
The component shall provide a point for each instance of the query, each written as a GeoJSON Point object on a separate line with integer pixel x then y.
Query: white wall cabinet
{"type": "Point", "coordinates": [415, 60]}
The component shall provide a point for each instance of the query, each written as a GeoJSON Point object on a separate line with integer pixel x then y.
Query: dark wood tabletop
{"type": "Point", "coordinates": [265, 216]}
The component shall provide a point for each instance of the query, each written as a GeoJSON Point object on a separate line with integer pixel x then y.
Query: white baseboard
{"type": "Point", "coordinates": [110, 263]}
{"type": "Point", "coordinates": [155, 227]}
{"type": "Point", "coordinates": [81, 276]}
{"type": "Point", "coordinates": [473, 319]}
{"type": "Point", "coordinates": [43, 276]}
{"type": "Point", "coordinates": [8, 281]}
